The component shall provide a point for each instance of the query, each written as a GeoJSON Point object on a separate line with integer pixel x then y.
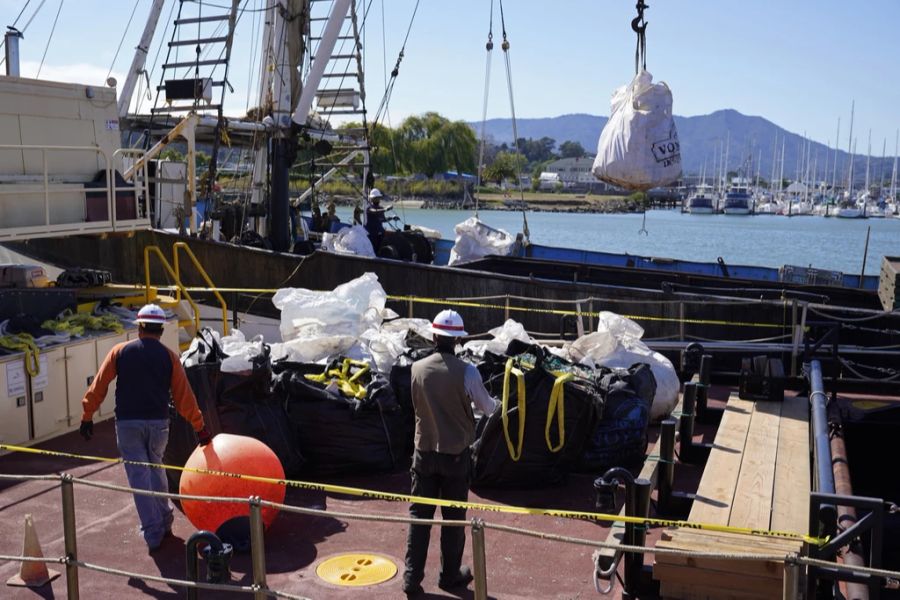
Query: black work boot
{"type": "Point", "coordinates": [461, 579]}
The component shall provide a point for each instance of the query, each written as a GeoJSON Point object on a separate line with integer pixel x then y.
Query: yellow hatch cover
{"type": "Point", "coordinates": [356, 569]}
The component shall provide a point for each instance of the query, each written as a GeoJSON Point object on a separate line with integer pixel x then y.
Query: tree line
{"type": "Point", "coordinates": [430, 144]}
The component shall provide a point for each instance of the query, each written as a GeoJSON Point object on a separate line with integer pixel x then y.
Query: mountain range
{"type": "Point", "coordinates": [751, 140]}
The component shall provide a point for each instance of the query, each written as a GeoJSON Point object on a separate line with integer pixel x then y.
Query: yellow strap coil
{"type": "Point", "coordinates": [24, 342]}
{"type": "Point", "coordinates": [346, 380]}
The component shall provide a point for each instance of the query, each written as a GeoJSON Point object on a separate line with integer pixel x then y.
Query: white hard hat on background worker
{"type": "Point", "coordinates": [151, 314]}
{"type": "Point", "coordinates": [448, 323]}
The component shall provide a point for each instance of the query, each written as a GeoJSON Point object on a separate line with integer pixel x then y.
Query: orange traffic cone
{"type": "Point", "coordinates": [32, 574]}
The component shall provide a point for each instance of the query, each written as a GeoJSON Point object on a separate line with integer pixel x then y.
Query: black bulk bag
{"type": "Point", "coordinates": [343, 435]}
{"type": "Point", "coordinates": [541, 456]}
{"type": "Point", "coordinates": [620, 437]}
{"type": "Point", "coordinates": [236, 403]}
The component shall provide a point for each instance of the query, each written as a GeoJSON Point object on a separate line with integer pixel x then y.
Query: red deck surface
{"type": "Point", "coordinates": [107, 526]}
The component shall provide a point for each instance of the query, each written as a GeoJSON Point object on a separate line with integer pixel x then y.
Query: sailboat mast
{"type": "Point", "coordinates": [725, 162]}
{"type": "Point", "coordinates": [774, 162]}
{"type": "Point", "coordinates": [868, 159]}
{"type": "Point", "coordinates": [837, 141]}
{"type": "Point", "coordinates": [806, 186]}
{"type": "Point", "coordinates": [894, 172]}
{"type": "Point", "coordinates": [850, 152]}
{"type": "Point", "coordinates": [781, 169]}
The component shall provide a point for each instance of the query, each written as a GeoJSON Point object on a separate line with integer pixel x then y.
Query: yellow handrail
{"type": "Point", "coordinates": [173, 275]}
{"type": "Point", "coordinates": [183, 246]}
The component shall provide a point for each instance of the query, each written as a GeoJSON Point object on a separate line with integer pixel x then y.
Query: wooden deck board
{"type": "Point", "coordinates": [716, 491]}
{"type": "Point", "coordinates": [790, 503]}
{"type": "Point", "coordinates": [752, 506]}
{"type": "Point", "coordinates": [757, 476]}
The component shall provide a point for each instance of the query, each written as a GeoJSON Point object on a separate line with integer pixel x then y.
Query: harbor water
{"type": "Point", "coordinates": [771, 241]}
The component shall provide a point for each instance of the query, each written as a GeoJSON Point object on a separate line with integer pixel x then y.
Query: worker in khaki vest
{"type": "Point", "coordinates": [443, 391]}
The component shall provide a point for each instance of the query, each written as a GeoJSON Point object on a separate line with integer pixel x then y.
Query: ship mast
{"type": "Point", "coordinates": [140, 58]}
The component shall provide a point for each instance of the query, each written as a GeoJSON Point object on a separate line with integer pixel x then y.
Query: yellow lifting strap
{"type": "Point", "coordinates": [346, 380]}
{"type": "Point", "coordinates": [558, 405]}
{"type": "Point", "coordinates": [77, 323]}
{"type": "Point", "coordinates": [25, 343]}
{"type": "Point", "coordinates": [514, 454]}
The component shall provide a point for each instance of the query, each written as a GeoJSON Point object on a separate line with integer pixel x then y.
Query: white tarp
{"type": "Point", "coordinates": [475, 240]}
{"type": "Point", "coordinates": [617, 343]}
{"type": "Point", "coordinates": [318, 324]}
{"type": "Point", "coordinates": [349, 240]}
{"type": "Point", "coordinates": [503, 335]}
{"type": "Point", "coordinates": [638, 148]}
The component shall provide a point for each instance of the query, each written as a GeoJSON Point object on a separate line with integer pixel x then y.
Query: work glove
{"type": "Point", "coordinates": [204, 436]}
{"type": "Point", "coordinates": [87, 429]}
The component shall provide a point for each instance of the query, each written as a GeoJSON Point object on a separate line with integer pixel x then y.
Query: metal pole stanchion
{"type": "Point", "coordinates": [71, 547]}
{"type": "Point", "coordinates": [257, 549]}
{"type": "Point", "coordinates": [478, 559]}
{"type": "Point", "coordinates": [666, 478]}
{"type": "Point", "coordinates": [791, 579]}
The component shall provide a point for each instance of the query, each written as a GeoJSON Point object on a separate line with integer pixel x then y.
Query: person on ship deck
{"type": "Point", "coordinates": [444, 389]}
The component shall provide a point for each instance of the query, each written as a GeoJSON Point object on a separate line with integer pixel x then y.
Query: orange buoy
{"type": "Point", "coordinates": [231, 454]}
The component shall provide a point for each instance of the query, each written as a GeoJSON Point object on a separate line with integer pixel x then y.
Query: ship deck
{"type": "Point", "coordinates": [107, 532]}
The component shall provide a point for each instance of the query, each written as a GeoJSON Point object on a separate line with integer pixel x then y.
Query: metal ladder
{"type": "Point", "coordinates": [189, 83]}
{"type": "Point", "coordinates": [342, 91]}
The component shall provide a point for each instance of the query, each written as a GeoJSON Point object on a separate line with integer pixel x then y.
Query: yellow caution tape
{"type": "Point", "coordinates": [504, 307]}
{"type": "Point", "coordinates": [392, 497]}
{"type": "Point", "coordinates": [514, 454]}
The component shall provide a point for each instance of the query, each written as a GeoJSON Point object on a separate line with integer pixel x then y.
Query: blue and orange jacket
{"type": "Point", "coordinates": [145, 370]}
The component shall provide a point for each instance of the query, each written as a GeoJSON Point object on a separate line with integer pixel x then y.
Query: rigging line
{"type": "Point", "coordinates": [512, 108]}
{"type": "Point", "coordinates": [121, 41]}
{"type": "Point", "coordinates": [387, 112]}
{"type": "Point", "coordinates": [389, 90]}
{"type": "Point", "coordinates": [489, 47]}
{"type": "Point", "coordinates": [33, 15]}
{"type": "Point", "coordinates": [49, 39]}
{"type": "Point", "coordinates": [254, 41]}
{"type": "Point", "coordinates": [13, 26]}
{"type": "Point", "coordinates": [226, 7]}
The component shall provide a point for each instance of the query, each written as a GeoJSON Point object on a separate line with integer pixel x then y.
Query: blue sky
{"type": "Point", "coordinates": [797, 63]}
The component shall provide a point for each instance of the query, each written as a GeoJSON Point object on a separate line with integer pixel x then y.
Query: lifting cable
{"type": "Point", "coordinates": [639, 26]}
{"type": "Point", "coordinates": [489, 46]}
{"type": "Point", "coordinates": [512, 108]}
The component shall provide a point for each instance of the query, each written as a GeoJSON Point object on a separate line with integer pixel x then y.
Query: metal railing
{"type": "Point", "coordinates": [22, 188]}
{"type": "Point", "coordinates": [260, 590]}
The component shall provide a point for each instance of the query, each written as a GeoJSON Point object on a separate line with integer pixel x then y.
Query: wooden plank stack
{"type": "Point", "coordinates": [757, 476]}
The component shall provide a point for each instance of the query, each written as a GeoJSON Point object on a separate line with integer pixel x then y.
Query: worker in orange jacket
{"type": "Point", "coordinates": [146, 372]}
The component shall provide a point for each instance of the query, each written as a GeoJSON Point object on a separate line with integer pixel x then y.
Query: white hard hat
{"type": "Point", "coordinates": [448, 323]}
{"type": "Point", "coordinates": [151, 314]}
{"type": "Point", "coordinates": [375, 193]}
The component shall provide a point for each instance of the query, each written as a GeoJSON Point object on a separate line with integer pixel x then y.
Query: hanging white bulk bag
{"type": "Point", "coordinates": [638, 147]}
